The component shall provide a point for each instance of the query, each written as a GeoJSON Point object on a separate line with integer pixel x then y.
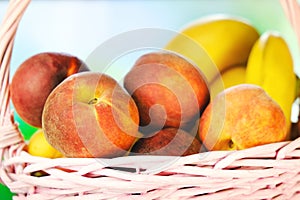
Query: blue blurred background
{"type": "Point", "coordinates": [78, 27]}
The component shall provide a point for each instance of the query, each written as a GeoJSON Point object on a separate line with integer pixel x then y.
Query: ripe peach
{"type": "Point", "coordinates": [168, 142]}
{"type": "Point", "coordinates": [240, 117]}
{"type": "Point", "coordinates": [90, 115]}
{"type": "Point", "coordinates": [35, 78]}
{"type": "Point", "coordinates": [168, 90]}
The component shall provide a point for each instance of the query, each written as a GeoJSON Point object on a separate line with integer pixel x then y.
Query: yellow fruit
{"type": "Point", "coordinates": [234, 76]}
{"type": "Point", "coordinates": [38, 146]}
{"type": "Point", "coordinates": [227, 40]}
{"type": "Point", "coordinates": [230, 77]}
{"type": "Point", "coordinates": [270, 66]}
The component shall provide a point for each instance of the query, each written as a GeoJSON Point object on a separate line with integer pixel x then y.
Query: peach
{"type": "Point", "coordinates": [168, 90]}
{"type": "Point", "coordinates": [167, 142]}
{"type": "Point", "coordinates": [90, 115]}
{"type": "Point", "coordinates": [240, 117]}
{"type": "Point", "coordinates": [35, 78]}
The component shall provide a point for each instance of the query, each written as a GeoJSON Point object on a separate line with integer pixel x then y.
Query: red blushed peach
{"type": "Point", "coordinates": [35, 78]}
{"type": "Point", "coordinates": [167, 142]}
{"type": "Point", "coordinates": [90, 115]}
{"type": "Point", "coordinates": [168, 90]}
{"type": "Point", "coordinates": [240, 117]}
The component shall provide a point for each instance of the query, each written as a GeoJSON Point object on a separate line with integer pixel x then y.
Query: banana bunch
{"type": "Point", "coordinates": [270, 65]}
{"type": "Point", "coordinates": [215, 43]}
{"type": "Point", "coordinates": [230, 51]}
{"type": "Point", "coordinates": [232, 76]}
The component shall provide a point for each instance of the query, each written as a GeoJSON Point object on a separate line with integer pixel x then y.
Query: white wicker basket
{"type": "Point", "coordinates": [265, 172]}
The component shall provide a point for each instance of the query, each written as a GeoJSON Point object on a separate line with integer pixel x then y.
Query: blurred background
{"type": "Point", "coordinates": [78, 27]}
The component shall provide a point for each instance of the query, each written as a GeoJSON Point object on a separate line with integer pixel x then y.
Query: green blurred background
{"type": "Point", "coordinates": [77, 27]}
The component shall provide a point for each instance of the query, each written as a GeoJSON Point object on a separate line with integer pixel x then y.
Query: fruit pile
{"type": "Point", "coordinates": [168, 105]}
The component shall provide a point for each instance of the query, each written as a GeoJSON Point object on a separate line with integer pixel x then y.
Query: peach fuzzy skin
{"type": "Point", "coordinates": [170, 81]}
{"type": "Point", "coordinates": [167, 142]}
{"type": "Point", "coordinates": [240, 117]}
{"type": "Point", "coordinates": [35, 78]}
{"type": "Point", "coordinates": [90, 115]}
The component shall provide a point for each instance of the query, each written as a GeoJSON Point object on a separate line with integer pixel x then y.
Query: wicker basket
{"type": "Point", "coordinates": [265, 172]}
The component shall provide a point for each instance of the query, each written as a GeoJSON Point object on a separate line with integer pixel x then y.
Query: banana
{"type": "Point", "coordinates": [215, 43]}
{"type": "Point", "coordinates": [232, 76]}
{"type": "Point", "coordinates": [270, 66]}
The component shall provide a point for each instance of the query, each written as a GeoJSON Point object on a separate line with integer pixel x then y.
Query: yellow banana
{"type": "Point", "coordinates": [227, 40]}
{"type": "Point", "coordinates": [270, 66]}
{"type": "Point", "coordinates": [232, 76]}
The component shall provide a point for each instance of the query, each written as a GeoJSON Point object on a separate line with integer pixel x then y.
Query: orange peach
{"type": "Point", "coordinates": [240, 117]}
{"type": "Point", "coordinates": [168, 90]}
{"type": "Point", "coordinates": [90, 115]}
{"type": "Point", "coordinates": [167, 142]}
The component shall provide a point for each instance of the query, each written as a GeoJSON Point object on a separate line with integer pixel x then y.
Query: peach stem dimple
{"type": "Point", "coordinates": [93, 101]}
{"type": "Point", "coordinates": [230, 144]}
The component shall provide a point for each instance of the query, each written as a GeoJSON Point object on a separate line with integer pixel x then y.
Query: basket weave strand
{"type": "Point", "coordinates": [291, 9]}
{"type": "Point", "coordinates": [9, 133]}
{"type": "Point", "coordinates": [269, 171]}
{"type": "Point", "coordinates": [7, 34]}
